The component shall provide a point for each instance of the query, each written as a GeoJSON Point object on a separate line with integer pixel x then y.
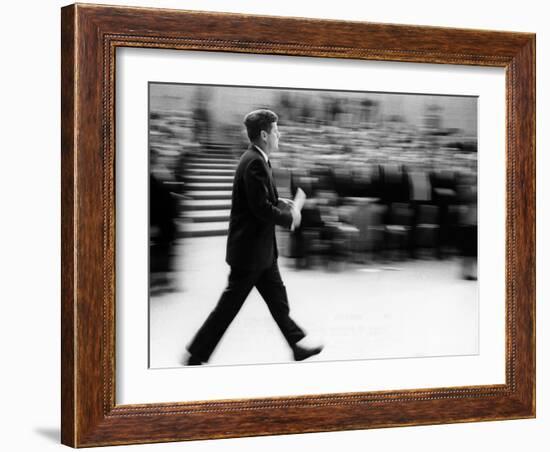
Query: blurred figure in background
{"type": "Point", "coordinates": [162, 232]}
{"type": "Point", "coordinates": [201, 117]}
{"type": "Point", "coordinates": [467, 237]}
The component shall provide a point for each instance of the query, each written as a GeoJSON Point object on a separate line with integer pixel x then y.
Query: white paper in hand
{"type": "Point", "coordinates": [299, 199]}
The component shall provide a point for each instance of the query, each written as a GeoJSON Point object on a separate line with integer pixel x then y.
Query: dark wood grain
{"type": "Point", "coordinates": [68, 310]}
{"type": "Point", "coordinates": [90, 36]}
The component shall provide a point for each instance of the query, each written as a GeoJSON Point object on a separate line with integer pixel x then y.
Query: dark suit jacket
{"type": "Point", "coordinates": [254, 213]}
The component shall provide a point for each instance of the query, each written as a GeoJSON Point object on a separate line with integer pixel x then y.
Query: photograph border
{"type": "Point", "coordinates": [90, 35]}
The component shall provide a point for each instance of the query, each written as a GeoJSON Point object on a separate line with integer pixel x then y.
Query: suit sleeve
{"type": "Point", "coordinates": [257, 194]}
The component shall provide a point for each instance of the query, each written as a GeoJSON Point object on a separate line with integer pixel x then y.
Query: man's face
{"type": "Point", "coordinates": [271, 139]}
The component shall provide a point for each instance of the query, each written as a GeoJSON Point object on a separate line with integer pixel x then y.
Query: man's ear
{"type": "Point", "coordinates": [263, 135]}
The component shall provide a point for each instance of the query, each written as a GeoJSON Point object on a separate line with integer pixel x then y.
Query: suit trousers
{"type": "Point", "coordinates": [240, 282]}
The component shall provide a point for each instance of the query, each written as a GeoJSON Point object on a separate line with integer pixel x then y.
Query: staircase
{"type": "Point", "coordinates": [208, 181]}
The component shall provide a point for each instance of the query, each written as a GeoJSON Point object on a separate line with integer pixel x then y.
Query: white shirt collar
{"type": "Point", "coordinates": [264, 155]}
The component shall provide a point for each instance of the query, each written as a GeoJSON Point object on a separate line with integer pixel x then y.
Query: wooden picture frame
{"type": "Point", "coordinates": [90, 36]}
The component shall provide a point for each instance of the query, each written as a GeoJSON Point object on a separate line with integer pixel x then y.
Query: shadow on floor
{"type": "Point", "coordinates": [51, 433]}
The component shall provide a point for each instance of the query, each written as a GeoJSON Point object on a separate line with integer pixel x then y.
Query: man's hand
{"type": "Point", "coordinates": [287, 202]}
{"type": "Point", "coordinates": [296, 214]}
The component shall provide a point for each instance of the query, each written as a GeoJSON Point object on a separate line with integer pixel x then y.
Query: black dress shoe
{"type": "Point", "coordinates": [301, 353]}
{"type": "Point", "coordinates": [192, 360]}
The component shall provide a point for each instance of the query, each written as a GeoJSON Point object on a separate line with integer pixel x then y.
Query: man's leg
{"type": "Point", "coordinates": [271, 288]}
{"type": "Point", "coordinates": [239, 285]}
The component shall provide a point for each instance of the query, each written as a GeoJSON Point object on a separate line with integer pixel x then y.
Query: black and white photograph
{"type": "Point", "coordinates": [296, 225]}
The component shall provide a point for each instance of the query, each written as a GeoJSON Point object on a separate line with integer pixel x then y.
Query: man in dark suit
{"type": "Point", "coordinates": [251, 245]}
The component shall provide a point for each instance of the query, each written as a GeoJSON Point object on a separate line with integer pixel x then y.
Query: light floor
{"type": "Point", "coordinates": [408, 309]}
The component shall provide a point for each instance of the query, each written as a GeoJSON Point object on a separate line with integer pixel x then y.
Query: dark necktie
{"type": "Point", "coordinates": [272, 181]}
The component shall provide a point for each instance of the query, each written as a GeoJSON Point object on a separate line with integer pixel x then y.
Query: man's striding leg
{"type": "Point", "coordinates": [239, 285]}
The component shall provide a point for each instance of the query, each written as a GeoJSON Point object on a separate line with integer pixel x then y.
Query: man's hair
{"type": "Point", "coordinates": [259, 120]}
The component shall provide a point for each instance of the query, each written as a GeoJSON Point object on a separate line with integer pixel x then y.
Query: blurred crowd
{"type": "Point", "coordinates": [378, 188]}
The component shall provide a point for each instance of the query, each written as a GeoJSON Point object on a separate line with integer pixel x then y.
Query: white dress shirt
{"type": "Point", "coordinates": [264, 155]}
